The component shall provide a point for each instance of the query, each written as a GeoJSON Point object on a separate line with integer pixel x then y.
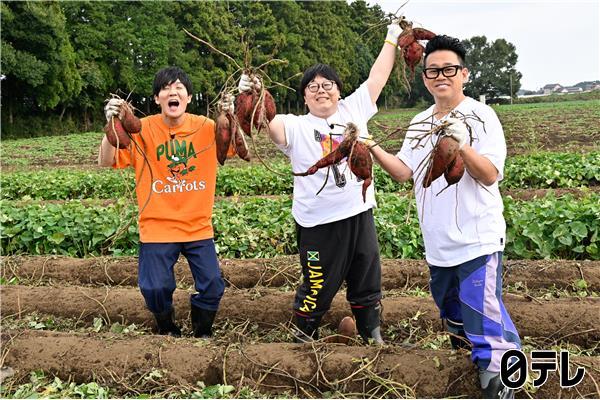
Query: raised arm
{"type": "Point", "coordinates": [383, 65]}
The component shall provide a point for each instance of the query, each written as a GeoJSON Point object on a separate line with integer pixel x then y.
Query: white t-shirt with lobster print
{"type": "Point", "coordinates": [462, 221]}
{"type": "Point", "coordinates": [310, 138]}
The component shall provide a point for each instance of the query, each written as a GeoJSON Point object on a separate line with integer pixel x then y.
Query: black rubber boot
{"type": "Point", "coordinates": [368, 323]}
{"type": "Point", "coordinates": [458, 337]}
{"type": "Point", "coordinates": [492, 387]}
{"type": "Point", "coordinates": [308, 329]}
{"type": "Point", "coordinates": [202, 322]}
{"type": "Point", "coordinates": [165, 323]}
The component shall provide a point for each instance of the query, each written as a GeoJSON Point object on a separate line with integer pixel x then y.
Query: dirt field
{"type": "Point", "coordinates": [251, 346]}
{"type": "Point", "coordinates": [282, 271]}
{"type": "Point", "coordinates": [309, 370]}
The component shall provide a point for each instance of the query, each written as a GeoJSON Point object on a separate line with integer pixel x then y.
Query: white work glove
{"type": "Point", "coordinates": [226, 103]}
{"type": "Point", "coordinates": [367, 139]}
{"type": "Point", "coordinates": [457, 130]}
{"type": "Point", "coordinates": [246, 83]}
{"type": "Point", "coordinates": [113, 108]}
{"type": "Point", "coordinates": [393, 32]}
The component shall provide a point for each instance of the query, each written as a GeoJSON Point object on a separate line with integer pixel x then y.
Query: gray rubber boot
{"type": "Point", "coordinates": [308, 329]}
{"type": "Point", "coordinates": [368, 323]}
{"type": "Point", "coordinates": [458, 337]}
{"type": "Point", "coordinates": [492, 387]}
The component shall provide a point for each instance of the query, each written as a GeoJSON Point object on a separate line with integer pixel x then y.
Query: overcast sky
{"type": "Point", "coordinates": [556, 41]}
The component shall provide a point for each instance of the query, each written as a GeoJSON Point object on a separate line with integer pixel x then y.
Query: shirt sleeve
{"type": "Point", "coordinates": [290, 121]}
{"type": "Point", "coordinates": [406, 151]}
{"type": "Point", "coordinates": [490, 141]}
{"type": "Point", "coordinates": [360, 103]}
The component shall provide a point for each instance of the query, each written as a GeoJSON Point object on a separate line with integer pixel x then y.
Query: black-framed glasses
{"type": "Point", "coordinates": [326, 85]}
{"type": "Point", "coordinates": [448, 71]}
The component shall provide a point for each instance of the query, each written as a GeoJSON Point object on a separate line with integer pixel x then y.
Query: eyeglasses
{"type": "Point", "coordinates": [326, 85]}
{"type": "Point", "coordinates": [448, 71]}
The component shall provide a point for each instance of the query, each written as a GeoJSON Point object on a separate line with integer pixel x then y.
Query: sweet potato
{"type": "Point", "coordinates": [455, 170]}
{"type": "Point", "coordinates": [347, 329]}
{"type": "Point", "coordinates": [405, 39]}
{"type": "Point", "coordinates": [241, 147]}
{"type": "Point", "coordinates": [222, 136]}
{"type": "Point", "coordinates": [131, 123]}
{"type": "Point", "coordinates": [444, 152]}
{"type": "Point", "coordinates": [361, 165]}
{"type": "Point", "coordinates": [269, 108]}
{"type": "Point", "coordinates": [233, 127]}
{"type": "Point", "coordinates": [412, 50]}
{"type": "Point", "coordinates": [115, 133]}
{"type": "Point", "coordinates": [246, 102]}
{"type": "Point", "coordinates": [413, 53]}
{"type": "Point", "coordinates": [423, 34]}
{"type": "Point", "coordinates": [359, 158]}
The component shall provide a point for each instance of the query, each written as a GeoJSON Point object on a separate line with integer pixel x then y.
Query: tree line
{"type": "Point", "coordinates": [61, 60]}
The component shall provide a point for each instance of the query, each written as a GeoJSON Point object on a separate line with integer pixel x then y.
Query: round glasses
{"type": "Point", "coordinates": [326, 85]}
{"type": "Point", "coordinates": [448, 71]}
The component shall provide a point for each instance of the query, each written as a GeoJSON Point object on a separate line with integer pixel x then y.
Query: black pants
{"type": "Point", "coordinates": [332, 253]}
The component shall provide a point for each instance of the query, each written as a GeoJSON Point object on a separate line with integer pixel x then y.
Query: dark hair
{"type": "Point", "coordinates": [443, 42]}
{"type": "Point", "coordinates": [322, 70]}
{"type": "Point", "coordinates": [167, 76]}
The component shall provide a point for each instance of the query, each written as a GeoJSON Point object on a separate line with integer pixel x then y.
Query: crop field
{"type": "Point", "coordinates": [74, 323]}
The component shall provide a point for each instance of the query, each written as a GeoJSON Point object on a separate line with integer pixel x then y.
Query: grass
{"type": "Point", "coordinates": [527, 127]}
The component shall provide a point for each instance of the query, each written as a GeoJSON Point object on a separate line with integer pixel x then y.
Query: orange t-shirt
{"type": "Point", "coordinates": [175, 173]}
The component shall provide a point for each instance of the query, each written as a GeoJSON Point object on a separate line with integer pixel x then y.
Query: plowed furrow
{"type": "Point", "coordinates": [281, 271]}
{"type": "Point", "coordinates": [308, 370]}
{"type": "Point", "coordinates": [577, 320]}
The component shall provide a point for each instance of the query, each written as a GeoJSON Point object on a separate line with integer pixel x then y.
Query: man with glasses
{"type": "Point", "coordinates": [462, 224]}
{"type": "Point", "coordinates": [335, 228]}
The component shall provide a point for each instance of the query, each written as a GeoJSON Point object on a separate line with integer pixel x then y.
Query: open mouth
{"type": "Point", "coordinates": [173, 104]}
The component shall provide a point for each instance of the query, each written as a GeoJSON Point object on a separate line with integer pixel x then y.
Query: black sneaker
{"type": "Point", "coordinates": [492, 387]}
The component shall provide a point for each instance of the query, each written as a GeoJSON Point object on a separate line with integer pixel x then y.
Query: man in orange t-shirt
{"type": "Point", "coordinates": [174, 157]}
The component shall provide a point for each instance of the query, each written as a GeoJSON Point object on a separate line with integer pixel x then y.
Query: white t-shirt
{"type": "Point", "coordinates": [465, 220]}
{"type": "Point", "coordinates": [310, 138]}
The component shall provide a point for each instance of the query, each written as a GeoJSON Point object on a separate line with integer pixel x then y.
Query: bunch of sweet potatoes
{"type": "Point", "coordinates": [229, 138]}
{"type": "Point", "coordinates": [118, 130]}
{"type": "Point", "coordinates": [445, 161]}
{"type": "Point", "coordinates": [412, 50]}
{"type": "Point", "coordinates": [359, 158]}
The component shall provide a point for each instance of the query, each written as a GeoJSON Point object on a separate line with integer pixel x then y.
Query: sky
{"type": "Point", "coordinates": [556, 41]}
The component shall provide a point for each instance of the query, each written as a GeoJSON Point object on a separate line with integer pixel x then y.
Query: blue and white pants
{"type": "Point", "coordinates": [471, 294]}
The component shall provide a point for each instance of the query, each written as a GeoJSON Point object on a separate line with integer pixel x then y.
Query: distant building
{"type": "Point", "coordinates": [552, 88]}
{"type": "Point", "coordinates": [571, 89]}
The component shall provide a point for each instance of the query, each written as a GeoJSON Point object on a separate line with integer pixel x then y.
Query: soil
{"type": "Point", "coordinates": [282, 272]}
{"type": "Point", "coordinates": [300, 370]}
{"type": "Point", "coordinates": [547, 320]}
{"type": "Point", "coordinates": [252, 345]}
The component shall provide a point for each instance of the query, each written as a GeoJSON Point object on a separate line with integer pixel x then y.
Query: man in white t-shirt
{"type": "Point", "coordinates": [335, 228]}
{"type": "Point", "coordinates": [462, 224]}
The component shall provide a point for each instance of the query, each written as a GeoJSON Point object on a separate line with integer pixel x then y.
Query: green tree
{"type": "Point", "coordinates": [37, 57]}
{"type": "Point", "coordinates": [208, 70]}
{"type": "Point", "coordinates": [330, 40]}
{"type": "Point", "coordinates": [492, 68]}
{"type": "Point", "coordinates": [87, 23]}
